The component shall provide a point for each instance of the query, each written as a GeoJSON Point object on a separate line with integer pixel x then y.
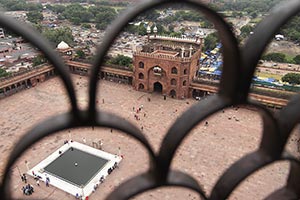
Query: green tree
{"type": "Point", "coordinates": [142, 29]}
{"type": "Point", "coordinates": [34, 6]}
{"type": "Point", "coordinates": [236, 14]}
{"type": "Point", "coordinates": [38, 27]}
{"type": "Point", "coordinates": [77, 14]}
{"type": "Point", "coordinates": [292, 29]}
{"type": "Point", "coordinates": [80, 54]}
{"type": "Point", "coordinates": [101, 26]}
{"type": "Point", "coordinates": [253, 14]}
{"type": "Point", "coordinates": [57, 35]}
{"type": "Point", "coordinates": [297, 59]}
{"type": "Point", "coordinates": [206, 24]}
{"type": "Point", "coordinates": [171, 28]}
{"type": "Point", "coordinates": [276, 57]}
{"type": "Point", "coordinates": [58, 9]}
{"type": "Point", "coordinates": [121, 60]}
{"type": "Point", "coordinates": [151, 15]}
{"type": "Point", "coordinates": [210, 41]}
{"type": "Point", "coordinates": [175, 34]}
{"type": "Point", "coordinates": [246, 30]}
{"type": "Point", "coordinates": [13, 5]}
{"type": "Point", "coordinates": [86, 26]}
{"type": "Point", "coordinates": [246, 6]}
{"type": "Point", "coordinates": [34, 16]}
{"type": "Point", "coordinates": [104, 17]}
{"type": "Point", "coordinates": [38, 60]}
{"type": "Point", "coordinates": [292, 78]}
{"type": "Point", "coordinates": [182, 30]}
{"type": "Point", "coordinates": [3, 73]}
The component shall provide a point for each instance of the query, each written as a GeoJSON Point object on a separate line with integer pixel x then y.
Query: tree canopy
{"type": "Point", "coordinates": [86, 26]}
{"type": "Point", "coordinates": [246, 6]}
{"type": "Point", "coordinates": [104, 17]}
{"type": "Point", "coordinates": [276, 57]}
{"type": "Point", "coordinates": [3, 73]}
{"type": "Point", "coordinates": [121, 60]}
{"type": "Point", "coordinates": [292, 78]}
{"type": "Point", "coordinates": [246, 30]}
{"type": "Point", "coordinates": [188, 15]}
{"type": "Point", "coordinates": [78, 14]}
{"type": "Point", "coordinates": [151, 15]}
{"type": "Point", "coordinates": [296, 59]}
{"type": "Point", "coordinates": [292, 29]}
{"type": "Point", "coordinates": [16, 5]}
{"type": "Point", "coordinates": [34, 16]}
{"type": "Point", "coordinates": [40, 59]}
{"type": "Point", "coordinates": [210, 41]}
{"type": "Point", "coordinates": [80, 54]}
{"type": "Point", "coordinates": [57, 35]}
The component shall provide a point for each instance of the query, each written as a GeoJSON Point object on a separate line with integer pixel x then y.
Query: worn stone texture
{"type": "Point", "coordinates": [204, 154]}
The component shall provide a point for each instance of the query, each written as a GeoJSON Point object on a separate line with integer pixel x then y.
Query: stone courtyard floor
{"type": "Point", "coordinates": [205, 154]}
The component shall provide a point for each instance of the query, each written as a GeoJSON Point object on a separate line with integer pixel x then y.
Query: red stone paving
{"type": "Point", "coordinates": [205, 154]}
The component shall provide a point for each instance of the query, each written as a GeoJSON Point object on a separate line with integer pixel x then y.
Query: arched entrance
{"type": "Point", "coordinates": [141, 86]}
{"type": "Point", "coordinates": [198, 93]}
{"type": "Point", "coordinates": [173, 93]}
{"type": "Point", "coordinates": [157, 87]}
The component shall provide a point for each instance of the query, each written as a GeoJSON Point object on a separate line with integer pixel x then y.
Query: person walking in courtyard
{"type": "Point", "coordinates": [25, 178]}
{"type": "Point", "coordinates": [47, 181]}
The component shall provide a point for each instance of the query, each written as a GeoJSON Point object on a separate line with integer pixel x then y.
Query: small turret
{"type": "Point", "coordinates": [155, 30]}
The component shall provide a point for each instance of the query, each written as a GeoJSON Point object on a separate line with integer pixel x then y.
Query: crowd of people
{"type": "Point", "coordinates": [28, 189]}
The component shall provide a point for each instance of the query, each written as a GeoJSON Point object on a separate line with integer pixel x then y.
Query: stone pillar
{"type": "Point", "coordinates": [155, 30]}
{"type": "Point", "coordinates": [191, 50]}
{"type": "Point", "coordinates": [148, 32]}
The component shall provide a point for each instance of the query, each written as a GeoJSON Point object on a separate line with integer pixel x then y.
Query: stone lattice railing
{"type": "Point", "coordinates": [161, 56]}
{"type": "Point", "coordinates": [238, 69]}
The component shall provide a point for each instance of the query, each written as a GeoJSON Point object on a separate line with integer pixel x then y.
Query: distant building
{"type": "Point", "coordinates": [279, 37]}
{"type": "Point", "coordinates": [166, 64]}
{"type": "Point", "coordinates": [65, 50]}
{"type": "Point", "coordinates": [2, 33]}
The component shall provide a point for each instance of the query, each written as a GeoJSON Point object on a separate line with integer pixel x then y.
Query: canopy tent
{"type": "Point", "coordinates": [217, 72]}
{"type": "Point", "coordinates": [212, 69]}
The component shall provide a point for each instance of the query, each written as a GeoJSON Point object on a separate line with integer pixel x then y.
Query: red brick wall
{"type": "Point", "coordinates": [165, 79]}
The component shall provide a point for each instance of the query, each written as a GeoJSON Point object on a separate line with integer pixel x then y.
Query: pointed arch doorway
{"type": "Point", "coordinates": [157, 87]}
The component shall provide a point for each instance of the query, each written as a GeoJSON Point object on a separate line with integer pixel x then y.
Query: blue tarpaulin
{"type": "Point", "coordinates": [217, 72]}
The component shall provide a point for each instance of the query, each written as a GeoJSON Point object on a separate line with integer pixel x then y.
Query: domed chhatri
{"type": "Point", "coordinates": [63, 45]}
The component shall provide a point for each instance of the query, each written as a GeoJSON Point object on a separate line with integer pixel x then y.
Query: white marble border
{"type": "Point", "coordinates": [66, 186]}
